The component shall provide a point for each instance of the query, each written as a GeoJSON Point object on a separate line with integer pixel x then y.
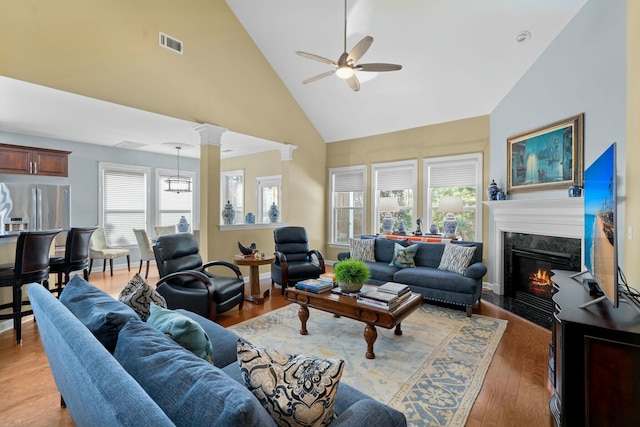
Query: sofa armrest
{"type": "Point", "coordinates": [369, 412]}
{"type": "Point", "coordinates": [344, 255]}
{"type": "Point", "coordinates": [476, 271]}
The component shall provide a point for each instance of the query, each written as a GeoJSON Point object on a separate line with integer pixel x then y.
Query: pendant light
{"type": "Point", "coordinates": [178, 184]}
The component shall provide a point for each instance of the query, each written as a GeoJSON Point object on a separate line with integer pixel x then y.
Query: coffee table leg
{"type": "Point", "coordinates": [370, 336]}
{"type": "Point", "coordinates": [398, 330]}
{"type": "Point", "coordinates": [303, 314]}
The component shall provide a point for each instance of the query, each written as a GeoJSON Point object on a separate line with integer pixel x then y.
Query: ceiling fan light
{"type": "Point", "coordinates": [344, 72]}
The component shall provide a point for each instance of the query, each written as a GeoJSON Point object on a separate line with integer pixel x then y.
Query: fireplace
{"type": "Point", "coordinates": [528, 262]}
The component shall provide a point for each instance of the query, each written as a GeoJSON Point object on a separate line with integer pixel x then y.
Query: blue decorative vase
{"type": "Point", "coordinates": [433, 229]}
{"type": "Point", "coordinates": [501, 195]}
{"type": "Point", "coordinates": [250, 218]}
{"type": "Point", "coordinates": [228, 214]}
{"type": "Point", "coordinates": [449, 226]}
{"type": "Point", "coordinates": [183, 225]}
{"type": "Point", "coordinates": [493, 190]}
{"type": "Point", "coordinates": [575, 191]}
{"type": "Point", "coordinates": [274, 213]}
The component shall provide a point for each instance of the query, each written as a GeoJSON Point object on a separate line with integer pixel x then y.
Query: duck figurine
{"type": "Point", "coordinates": [247, 250]}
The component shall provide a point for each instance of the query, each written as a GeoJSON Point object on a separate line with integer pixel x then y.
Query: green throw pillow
{"type": "Point", "coordinates": [403, 257]}
{"type": "Point", "coordinates": [456, 258]}
{"type": "Point", "coordinates": [138, 295]}
{"type": "Point", "coordinates": [186, 332]}
{"type": "Point", "coordinates": [295, 389]}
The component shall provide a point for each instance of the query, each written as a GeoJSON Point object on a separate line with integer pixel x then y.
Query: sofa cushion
{"type": "Point", "coordinates": [295, 389]}
{"type": "Point", "coordinates": [456, 258]}
{"type": "Point", "coordinates": [385, 247]}
{"type": "Point", "coordinates": [186, 332]}
{"type": "Point", "coordinates": [102, 314]}
{"type": "Point", "coordinates": [362, 249]}
{"type": "Point", "coordinates": [403, 256]}
{"type": "Point", "coordinates": [189, 390]}
{"type": "Point", "coordinates": [381, 271]}
{"type": "Point", "coordinates": [432, 278]}
{"type": "Point", "coordinates": [138, 295]}
{"type": "Point", "coordinates": [429, 254]}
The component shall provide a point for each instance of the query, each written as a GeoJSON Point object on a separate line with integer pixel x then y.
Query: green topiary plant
{"type": "Point", "coordinates": [351, 274]}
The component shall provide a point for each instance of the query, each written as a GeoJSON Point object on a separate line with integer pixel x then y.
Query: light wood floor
{"type": "Point", "coordinates": [515, 392]}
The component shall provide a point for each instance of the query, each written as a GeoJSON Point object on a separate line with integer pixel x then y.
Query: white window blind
{"type": "Point", "coordinates": [346, 210]}
{"type": "Point", "coordinates": [448, 174]}
{"type": "Point", "coordinates": [348, 181]}
{"type": "Point", "coordinates": [395, 178]}
{"type": "Point", "coordinates": [124, 204]}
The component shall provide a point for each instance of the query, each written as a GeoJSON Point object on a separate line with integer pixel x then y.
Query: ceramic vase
{"type": "Point", "coordinates": [575, 191]}
{"type": "Point", "coordinates": [250, 218]}
{"type": "Point", "coordinates": [228, 214]}
{"type": "Point", "coordinates": [183, 225]}
{"type": "Point", "coordinates": [274, 213]}
{"type": "Point", "coordinates": [493, 190]}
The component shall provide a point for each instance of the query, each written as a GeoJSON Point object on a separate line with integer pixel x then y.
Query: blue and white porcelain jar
{"type": "Point", "coordinates": [183, 225]}
{"type": "Point", "coordinates": [250, 218]}
{"type": "Point", "coordinates": [274, 213]}
{"type": "Point", "coordinates": [228, 213]}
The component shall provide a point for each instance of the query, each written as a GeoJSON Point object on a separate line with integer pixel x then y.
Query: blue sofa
{"type": "Point", "coordinates": [98, 390]}
{"type": "Point", "coordinates": [426, 279]}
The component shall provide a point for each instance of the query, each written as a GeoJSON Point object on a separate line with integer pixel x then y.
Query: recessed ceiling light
{"type": "Point", "coordinates": [523, 36]}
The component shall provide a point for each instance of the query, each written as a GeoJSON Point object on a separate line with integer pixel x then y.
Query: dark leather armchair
{"type": "Point", "coordinates": [294, 260]}
{"type": "Point", "coordinates": [202, 292]}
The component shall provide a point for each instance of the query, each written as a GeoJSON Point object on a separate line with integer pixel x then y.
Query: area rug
{"type": "Point", "coordinates": [432, 373]}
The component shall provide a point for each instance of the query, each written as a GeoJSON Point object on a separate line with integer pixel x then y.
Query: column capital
{"type": "Point", "coordinates": [286, 151]}
{"type": "Point", "coordinates": [210, 134]}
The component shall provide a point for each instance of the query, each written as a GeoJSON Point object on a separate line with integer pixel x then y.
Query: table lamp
{"type": "Point", "coordinates": [388, 205]}
{"type": "Point", "coordinates": [450, 205]}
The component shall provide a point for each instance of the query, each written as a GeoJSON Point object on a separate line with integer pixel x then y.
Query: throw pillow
{"type": "Point", "coordinates": [182, 330]}
{"type": "Point", "coordinates": [138, 295]}
{"type": "Point", "coordinates": [362, 249]}
{"type": "Point", "coordinates": [404, 257]}
{"type": "Point", "coordinates": [295, 389]}
{"type": "Point", "coordinates": [456, 258]}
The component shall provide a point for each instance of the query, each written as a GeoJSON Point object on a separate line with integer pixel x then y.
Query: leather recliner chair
{"type": "Point", "coordinates": [294, 260]}
{"type": "Point", "coordinates": [202, 292]}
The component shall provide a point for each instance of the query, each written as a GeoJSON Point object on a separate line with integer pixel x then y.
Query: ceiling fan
{"type": "Point", "coordinates": [346, 67]}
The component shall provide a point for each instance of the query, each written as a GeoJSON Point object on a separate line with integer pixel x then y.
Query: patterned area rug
{"type": "Point", "coordinates": [432, 373]}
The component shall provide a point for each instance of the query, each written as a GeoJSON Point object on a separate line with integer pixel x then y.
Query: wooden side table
{"type": "Point", "coordinates": [256, 296]}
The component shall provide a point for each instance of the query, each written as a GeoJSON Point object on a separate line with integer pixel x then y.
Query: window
{"type": "Point", "coordinates": [397, 180]}
{"type": "Point", "coordinates": [455, 176]}
{"type": "Point", "coordinates": [171, 206]}
{"type": "Point", "coordinates": [269, 189]}
{"type": "Point", "coordinates": [123, 205]}
{"type": "Point", "coordinates": [232, 190]}
{"type": "Point", "coordinates": [346, 195]}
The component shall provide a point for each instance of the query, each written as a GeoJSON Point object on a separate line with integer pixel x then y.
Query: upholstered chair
{"type": "Point", "coordinates": [294, 260]}
{"type": "Point", "coordinates": [161, 230]}
{"type": "Point", "coordinates": [99, 249]}
{"type": "Point", "coordinates": [145, 249]}
{"type": "Point", "coordinates": [210, 291]}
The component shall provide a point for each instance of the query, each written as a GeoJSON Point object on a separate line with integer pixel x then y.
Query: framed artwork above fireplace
{"type": "Point", "coordinates": [546, 158]}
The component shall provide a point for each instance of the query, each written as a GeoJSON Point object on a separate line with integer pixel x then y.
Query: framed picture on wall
{"type": "Point", "coordinates": [547, 158]}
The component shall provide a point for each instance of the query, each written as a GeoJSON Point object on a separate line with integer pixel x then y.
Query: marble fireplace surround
{"type": "Point", "coordinates": [560, 217]}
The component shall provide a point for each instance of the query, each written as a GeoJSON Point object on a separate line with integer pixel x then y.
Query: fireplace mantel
{"type": "Point", "coordinates": [561, 217]}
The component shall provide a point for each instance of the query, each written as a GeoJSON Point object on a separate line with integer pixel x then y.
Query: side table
{"type": "Point", "coordinates": [256, 296]}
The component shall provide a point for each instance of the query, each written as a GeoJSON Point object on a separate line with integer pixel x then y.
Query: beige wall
{"type": "Point", "coordinates": [445, 139]}
{"type": "Point", "coordinates": [632, 198]}
{"type": "Point", "coordinates": [109, 50]}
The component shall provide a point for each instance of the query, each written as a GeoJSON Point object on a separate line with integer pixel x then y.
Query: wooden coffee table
{"type": "Point", "coordinates": [342, 305]}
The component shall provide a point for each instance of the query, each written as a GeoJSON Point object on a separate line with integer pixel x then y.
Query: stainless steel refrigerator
{"type": "Point", "coordinates": [35, 207]}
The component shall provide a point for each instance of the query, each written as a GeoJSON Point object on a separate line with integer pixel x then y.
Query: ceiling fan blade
{"type": "Point", "coordinates": [319, 76]}
{"type": "Point", "coordinates": [359, 50]}
{"type": "Point", "coordinates": [317, 58]}
{"type": "Point", "coordinates": [353, 83]}
{"type": "Point", "coordinates": [378, 67]}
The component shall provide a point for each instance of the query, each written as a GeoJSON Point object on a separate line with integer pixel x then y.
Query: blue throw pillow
{"type": "Point", "coordinates": [404, 257]}
{"type": "Point", "coordinates": [189, 390]}
{"type": "Point", "coordinates": [102, 314]}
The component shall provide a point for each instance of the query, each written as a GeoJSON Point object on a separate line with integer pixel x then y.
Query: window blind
{"type": "Point", "coordinates": [124, 205]}
{"type": "Point", "coordinates": [460, 174]}
{"type": "Point", "coordinates": [395, 178]}
{"type": "Point", "coordinates": [344, 182]}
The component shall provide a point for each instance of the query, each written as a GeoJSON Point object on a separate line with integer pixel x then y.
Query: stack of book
{"type": "Point", "coordinates": [389, 297]}
{"type": "Point", "coordinates": [316, 286]}
{"type": "Point", "coordinates": [327, 277]}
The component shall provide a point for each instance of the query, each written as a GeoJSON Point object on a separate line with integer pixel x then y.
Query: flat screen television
{"type": "Point", "coordinates": [600, 246]}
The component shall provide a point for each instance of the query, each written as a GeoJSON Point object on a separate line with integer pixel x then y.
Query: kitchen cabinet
{"type": "Point", "coordinates": [17, 159]}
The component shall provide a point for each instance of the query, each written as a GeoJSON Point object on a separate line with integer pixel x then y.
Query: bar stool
{"type": "Point", "coordinates": [76, 257]}
{"type": "Point", "coordinates": [31, 265]}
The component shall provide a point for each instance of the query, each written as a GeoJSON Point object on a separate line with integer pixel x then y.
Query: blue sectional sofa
{"type": "Point", "coordinates": [155, 382]}
{"type": "Point", "coordinates": [425, 278]}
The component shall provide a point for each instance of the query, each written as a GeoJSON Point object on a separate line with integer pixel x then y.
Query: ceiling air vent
{"type": "Point", "coordinates": [171, 43]}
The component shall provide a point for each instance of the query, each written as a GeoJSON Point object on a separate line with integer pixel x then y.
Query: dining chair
{"type": "Point", "coordinates": [76, 256]}
{"type": "Point", "coordinates": [31, 266]}
{"type": "Point", "coordinates": [99, 249]}
{"type": "Point", "coordinates": [145, 249]}
{"type": "Point", "coordinates": [161, 230]}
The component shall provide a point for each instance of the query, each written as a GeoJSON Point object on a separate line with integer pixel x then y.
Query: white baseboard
{"type": "Point", "coordinates": [492, 287]}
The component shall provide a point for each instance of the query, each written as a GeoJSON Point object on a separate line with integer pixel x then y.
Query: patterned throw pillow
{"type": "Point", "coordinates": [138, 295]}
{"type": "Point", "coordinates": [362, 249]}
{"type": "Point", "coordinates": [456, 258]}
{"type": "Point", "coordinates": [403, 257]}
{"type": "Point", "coordinates": [186, 332]}
{"type": "Point", "coordinates": [295, 389]}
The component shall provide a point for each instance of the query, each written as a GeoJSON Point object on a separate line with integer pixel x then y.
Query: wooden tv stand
{"type": "Point", "coordinates": [594, 359]}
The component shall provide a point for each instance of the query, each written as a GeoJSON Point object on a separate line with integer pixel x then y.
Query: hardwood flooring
{"type": "Point", "coordinates": [515, 392]}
